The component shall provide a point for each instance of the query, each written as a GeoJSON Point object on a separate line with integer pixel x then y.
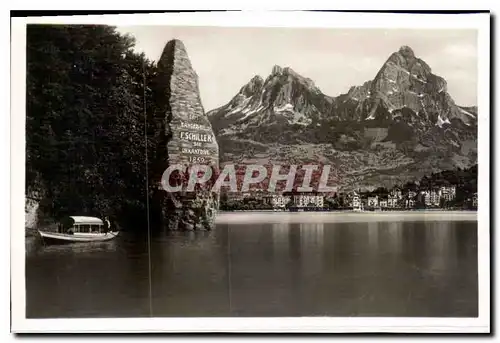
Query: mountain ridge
{"type": "Point", "coordinates": [404, 111]}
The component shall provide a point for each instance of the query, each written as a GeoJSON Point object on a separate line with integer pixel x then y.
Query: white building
{"type": "Point", "coordinates": [306, 200]}
{"type": "Point", "coordinates": [392, 201]}
{"type": "Point", "coordinates": [396, 193]}
{"type": "Point", "coordinates": [355, 200]}
{"type": "Point", "coordinates": [448, 193]}
{"type": "Point", "coordinates": [280, 201]}
{"type": "Point", "coordinates": [474, 200]}
{"type": "Point", "coordinates": [383, 202]}
{"type": "Point", "coordinates": [410, 203]}
{"type": "Point", "coordinates": [412, 194]}
{"type": "Point", "coordinates": [373, 201]}
{"type": "Point", "coordinates": [410, 199]}
{"type": "Point", "coordinates": [431, 197]}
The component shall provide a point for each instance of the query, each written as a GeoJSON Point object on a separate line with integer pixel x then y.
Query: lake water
{"type": "Point", "coordinates": [266, 264]}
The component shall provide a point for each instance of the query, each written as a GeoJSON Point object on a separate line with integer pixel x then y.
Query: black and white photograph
{"type": "Point", "coordinates": [306, 172]}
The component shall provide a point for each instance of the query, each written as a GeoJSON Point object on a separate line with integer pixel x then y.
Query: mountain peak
{"type": "Point", "coordinates": [393, 126]}
{"type": "Point", "coordinates": [405, 57]}
{"type": "Point", "coordinates": [287, 74]}
{"type": "Point", "coordinates": [253, 86]}
{"type": "Point", "coordinates": [277, 70]}
{"type": "Point", "coordinates": [290, 71]}
{"type": "Point", "coordinates": [257, 79]}
{"type": "Point", "coordinates": [406, 51]}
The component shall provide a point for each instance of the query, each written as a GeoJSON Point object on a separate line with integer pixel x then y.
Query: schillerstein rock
{"type": "Point", "coordinates": [184, 136]}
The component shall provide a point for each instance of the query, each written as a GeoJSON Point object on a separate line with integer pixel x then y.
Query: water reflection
{"type": "Point", "coordinates": [373, 238]}
{"type": "Point", "coordinates": [290, 269]}
{"type": "Point", "coordinates": [311, 245]}
{"type": "Point", "coordinates": [189, 270]}
{"type": "Point", "coordinates": [72, 249]}
{"type": "Point", "coordinates": [311, 234]}
{"type": "Point", "coordinates": [395, 236]}
{"type": "Point", "coordinates": [281, 238]}
{"type": "Point", "coordinates": [442, 245]}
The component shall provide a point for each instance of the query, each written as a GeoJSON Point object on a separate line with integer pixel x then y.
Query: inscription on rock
{"type": "Point", "coordinates": [189, 139]}
{"type": "Point", "coordinates": [196, 144]}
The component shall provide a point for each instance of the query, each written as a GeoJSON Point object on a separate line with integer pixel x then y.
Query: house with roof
{"type": "Point", "coordinates": [393, 201]}
{"type": "Point", "coordinates": [431, 197]}
{"type": "Point", "coordinates": [448, 193]}
{"type": "Point", "coordinates": [354, 200]}
{"type": "Point", "coordinates": [372, 201]}
{"type": "Point", "coordinates": [397, 193]}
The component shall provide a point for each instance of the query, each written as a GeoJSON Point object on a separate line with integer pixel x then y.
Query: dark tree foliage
{"type": "Point", "coordinates": [85, 127]}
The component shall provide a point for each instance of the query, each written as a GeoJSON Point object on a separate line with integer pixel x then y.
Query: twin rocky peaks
{"type": "Point", "coordinates": [398, 126]}
{"type": "Point", "coordinates": [405, 82]}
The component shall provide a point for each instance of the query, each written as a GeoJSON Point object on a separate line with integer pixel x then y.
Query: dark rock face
{"type": "Point", "coordinates": [184, 136]}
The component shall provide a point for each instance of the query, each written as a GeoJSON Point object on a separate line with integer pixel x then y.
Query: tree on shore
{"type": "Point", "coordinates": [85, 144]}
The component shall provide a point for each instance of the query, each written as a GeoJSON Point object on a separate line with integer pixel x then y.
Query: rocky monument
{"type": "Point", "coordinates": [183, 136]}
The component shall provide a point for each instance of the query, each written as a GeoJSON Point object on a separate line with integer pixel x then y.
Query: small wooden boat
{"type": "Point", "coordinates": [79, 229]}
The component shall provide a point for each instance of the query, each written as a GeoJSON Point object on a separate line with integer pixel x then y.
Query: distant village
{"type": "Point", "coordinates": [445, 190]}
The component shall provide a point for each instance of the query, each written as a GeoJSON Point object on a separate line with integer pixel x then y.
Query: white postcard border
{"type": "Point", "coordinates": [481, 22]}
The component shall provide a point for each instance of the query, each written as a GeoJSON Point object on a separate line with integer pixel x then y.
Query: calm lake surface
{"type": "Point", "coordinates": [303, 266]}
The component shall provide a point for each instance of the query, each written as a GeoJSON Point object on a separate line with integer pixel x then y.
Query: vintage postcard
{"type": "Point", "coordinates": [251, 172]}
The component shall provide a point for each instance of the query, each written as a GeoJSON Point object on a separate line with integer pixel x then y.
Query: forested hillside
{"type": "Point", "coordinates": [85, 115]}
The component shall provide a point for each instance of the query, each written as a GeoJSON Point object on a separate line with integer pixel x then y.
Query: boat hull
{"type": "Point", "coordinates": [54, 237]}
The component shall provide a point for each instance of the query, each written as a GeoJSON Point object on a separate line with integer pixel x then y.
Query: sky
{"type": "Point", "coordinates": [227, 58]}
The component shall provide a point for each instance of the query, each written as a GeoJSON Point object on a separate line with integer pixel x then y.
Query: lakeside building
{"type": "Point", "coordinates": [393, 200]}
{"type": "Point", "coordinates": [247, 195]}
{"type": "Point", "coordinates": [345, 199]}
{"type": "Point", "coordinates": [355, 201]}
{"type": "Point", "coordinates": [430, 197]}
{"type": "Point", "coordinates": [449, 193]}
{"type": "Point", "coordinates": [474, 200]}
{"type": "Point", "coordinates": [410, 203]}
{"type": "Point", "coordinates": [308, 200]}
{"type": "Point", "coordinates": [235, 196]}
{"type": "Point", "coordinates": [396, 193]}
{"type": "Point", "coordinates": [280, 201]}
{"type": "Point", "coordinates": [412, 194]}
{"type": "Point", "coordinates": [372, 201]}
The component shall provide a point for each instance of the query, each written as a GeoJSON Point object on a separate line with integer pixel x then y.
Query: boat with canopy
{"type": "Point", "coordinates": [79, 229]}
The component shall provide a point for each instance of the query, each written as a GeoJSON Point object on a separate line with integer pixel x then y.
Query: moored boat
{"type": "Point", "coordinates": [79, 229]}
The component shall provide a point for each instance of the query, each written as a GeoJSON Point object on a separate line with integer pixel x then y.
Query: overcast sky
{"type": "Point", "coordinates": [335, 59]}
